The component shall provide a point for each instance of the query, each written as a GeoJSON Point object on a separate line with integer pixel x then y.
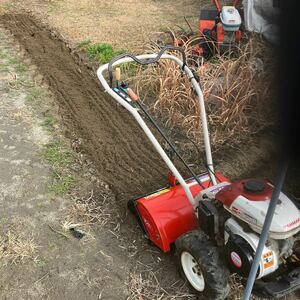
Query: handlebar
{"type": "Point", "coordinates": [146, 61]}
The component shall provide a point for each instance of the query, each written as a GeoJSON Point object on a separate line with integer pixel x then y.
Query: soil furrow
{"type": "Point", "coordinates": [112, 138]}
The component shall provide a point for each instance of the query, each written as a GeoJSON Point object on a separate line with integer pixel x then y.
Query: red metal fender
{"type": "Point", "coordinates": [168, 214]}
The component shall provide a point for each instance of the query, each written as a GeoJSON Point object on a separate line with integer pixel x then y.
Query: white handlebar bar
{"type": "Point", "coordinates": [147, 131]}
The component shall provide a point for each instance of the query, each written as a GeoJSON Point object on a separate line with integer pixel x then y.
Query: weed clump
{"type": "Point", "coordinates": [59, 159]}
{"type": "Point", "coordinates": [102, 52]}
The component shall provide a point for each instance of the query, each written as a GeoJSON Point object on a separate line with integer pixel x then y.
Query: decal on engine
{"type": "Point", "coordinates": [234, 209]}
{"type": "Point", "coordinates": [249, 218]}
{"type": "Point", "coordinates": [243, 215]}
{"type": "Point", "coordinates": [235, 258]}
{"type": "Point", "coordinates": [292, 223]}
{"type": "Point", "coordinates": [218, 189]}
{"type": "Point", "coordinates": [268, 260]}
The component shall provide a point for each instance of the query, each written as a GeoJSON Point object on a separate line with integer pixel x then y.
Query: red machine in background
{"type": "Point", "coordinates": [219, 30]}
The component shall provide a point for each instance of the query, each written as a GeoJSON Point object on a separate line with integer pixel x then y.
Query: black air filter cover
{"type": "Point", "coordinates": [239, 255]}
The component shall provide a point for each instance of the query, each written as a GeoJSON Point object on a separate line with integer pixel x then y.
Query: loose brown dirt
{"type": "Point", "coordinates": [116, 144]}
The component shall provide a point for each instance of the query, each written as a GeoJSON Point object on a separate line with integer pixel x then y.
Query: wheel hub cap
{"type": "Point", "coordinates": [192, 271]}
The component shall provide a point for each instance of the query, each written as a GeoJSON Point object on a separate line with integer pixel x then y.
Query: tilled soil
{"type": "Point", "coordinates": [117, 145]}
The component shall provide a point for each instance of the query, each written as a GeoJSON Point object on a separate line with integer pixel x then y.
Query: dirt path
{"type": "Point", "coordinates": [39, 259]}
{"type": "Point", "coordinates": [113, 139]}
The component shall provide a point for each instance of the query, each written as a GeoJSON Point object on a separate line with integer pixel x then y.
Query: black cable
{"type": "Point", "coordinates": [170, 144]}
{"type": "Point", "coordinates": [214, 173]}
{"type": "Point", "coordinates": [199, 155]}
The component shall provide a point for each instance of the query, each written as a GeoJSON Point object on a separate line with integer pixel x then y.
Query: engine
{"type": "Point", "coordinates": [248, 201]}
{"type": "Point", "coordinates": [242, 209]}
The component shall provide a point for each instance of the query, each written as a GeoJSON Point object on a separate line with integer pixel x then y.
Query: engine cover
{"type": "Point", "coordinates": [249, 199]}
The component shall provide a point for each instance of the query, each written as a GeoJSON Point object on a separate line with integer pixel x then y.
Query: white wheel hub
{"type": "Point", "coordinates": [192, 271]}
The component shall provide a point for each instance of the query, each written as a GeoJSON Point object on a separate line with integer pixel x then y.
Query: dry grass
{"type": "Point", "coordinates": [237, 289]}
{"type": "Point", "coordinates": [95, 210]}
{"type": "Point", "coordinates": [237, 92]}
{"type": "Point", "coordinates": [16, 248]}
{"type": "Point", "coordinates": [124, 24]}
{"type": "Point", "coordinates": [92, 210]}
{"type": "Point", "coordinates": [146, 286]}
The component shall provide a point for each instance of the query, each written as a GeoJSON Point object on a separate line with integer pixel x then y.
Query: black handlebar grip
{"type": "Point", "coordinates": [146, 61]}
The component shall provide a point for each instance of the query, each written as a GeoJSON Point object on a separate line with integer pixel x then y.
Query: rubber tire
{"type": "Point", "coordinates": [213, 269]}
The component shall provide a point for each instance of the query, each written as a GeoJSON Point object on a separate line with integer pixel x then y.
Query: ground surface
{"type": "Point", "coordinates": [39, 257]}
{"type": "Point", "coordinates": [38, 262]}
{"type": "Point", "coordinates": [84, 106]}
{"type": "Point", "coordinates": [113, 261]}
{"type": "Point", "coordinates": [124, 24]}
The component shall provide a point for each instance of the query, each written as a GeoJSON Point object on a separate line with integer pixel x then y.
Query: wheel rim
{"type": "Point", "coordinates": [192, 271]}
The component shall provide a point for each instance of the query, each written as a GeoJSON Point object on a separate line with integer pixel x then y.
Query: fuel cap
{"type": "Point", "coordinates": [254, 186]}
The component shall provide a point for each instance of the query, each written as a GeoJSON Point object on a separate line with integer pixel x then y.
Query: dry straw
{"type": "Point", "coordinates": [16, 248]}
{"type": "Point", "coordinates": [237, 92]}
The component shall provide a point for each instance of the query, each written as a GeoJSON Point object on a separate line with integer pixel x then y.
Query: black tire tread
{"type": "Point", "coordinates": [206, 253]}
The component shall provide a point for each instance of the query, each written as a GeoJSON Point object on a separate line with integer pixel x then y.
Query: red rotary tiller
{"type": "Point", "coordinates": [216, 225]}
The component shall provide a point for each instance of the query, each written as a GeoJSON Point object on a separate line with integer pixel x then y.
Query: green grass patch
{"type": "Point", "coordinates": [57, 156]}
{"type": "Point", "coordinates": [84, 44]}
{"type": "Point", "coordinates": [20, 68]}
{"type": "Point", "coordinates": [41, 263]}
{"type": "Point", "coordinates": [6, 6]}
{"type": "Point", "coordinates": [12, 61]}
{"type": "Point", "coordinates": [102, 52]}
{"type": "Point", "coordinates": [62, 185]}
{"type": "Point", "coordinates": [3, 54]}
{"type": "Point", "coordinates": [49, 122]}
{"type": "Point", "coordinates": [34, 94]}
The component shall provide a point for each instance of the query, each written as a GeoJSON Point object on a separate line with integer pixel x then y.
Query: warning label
{"type": "Point", "coordinates": [268, 260]}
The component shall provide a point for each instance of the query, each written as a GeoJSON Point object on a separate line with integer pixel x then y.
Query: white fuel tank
{"type": "Point", "coordinates": [249, 200]}
{"type": "Point", "coordinates": [230, 18]}
{"type": "Point", "coordinates": [286, 219]}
